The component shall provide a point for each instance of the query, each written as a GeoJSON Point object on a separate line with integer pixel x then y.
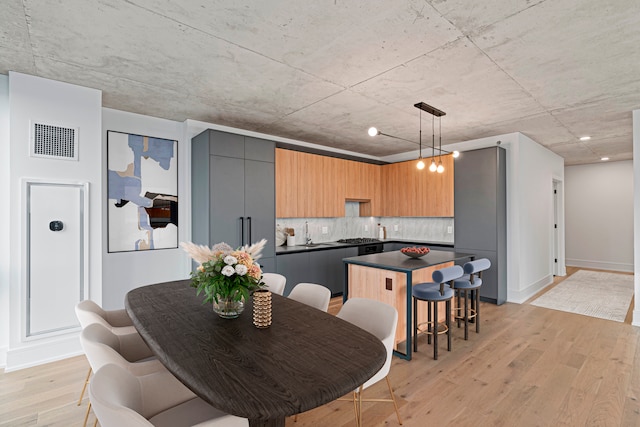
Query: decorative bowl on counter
{"type": "Point", "coordinates": [415, 251]}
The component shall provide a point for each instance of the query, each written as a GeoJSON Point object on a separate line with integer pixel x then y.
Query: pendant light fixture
{"type": "Point", "coordinates": [433, 167]}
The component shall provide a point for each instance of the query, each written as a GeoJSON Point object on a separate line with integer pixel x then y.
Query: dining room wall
{"type": "Point", "coordinates": [599, 215]}
{"type": "Point", "coordinates": [38, 100]}
{"type": "Point", "coordinates": [124, 271]}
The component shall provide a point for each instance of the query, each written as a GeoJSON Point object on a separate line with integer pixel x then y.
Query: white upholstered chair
{"type": "Point", "coordinates": [117, 321]}
{"type": "Point", "coordinates": [120, 398]}
{"type": "Point", "coordinates": [379, 319]}
{"type": "Point", "coordinates": [129, 351]}
{"type": "Point", "coordinates": [274, 282]}
{"type": "Point", "coordinates": [316, 296]}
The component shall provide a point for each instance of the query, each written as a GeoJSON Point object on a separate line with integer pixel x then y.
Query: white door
{"type": "Point", "coordinates": [55, 251]}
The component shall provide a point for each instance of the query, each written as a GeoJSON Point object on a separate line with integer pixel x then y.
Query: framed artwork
{"type": "Point", "coordinates": [142, 187]}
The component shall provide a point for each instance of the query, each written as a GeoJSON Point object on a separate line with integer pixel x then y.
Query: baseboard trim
{"type": "Point", "coordinates": [600, 265]}
{"type": "Point", "coordinates": [521, 296]}
{"type": "Point", "coordinates": [3, 356]}
{"type": "Point", "coordinates": [36, 353]}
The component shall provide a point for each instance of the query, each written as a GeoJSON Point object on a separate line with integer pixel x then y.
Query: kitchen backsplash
{"type": "Point", "coordinates": [429, 229]}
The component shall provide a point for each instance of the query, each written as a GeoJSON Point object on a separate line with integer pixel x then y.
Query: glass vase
{"type": "Point", "coordinates": [227, 308]}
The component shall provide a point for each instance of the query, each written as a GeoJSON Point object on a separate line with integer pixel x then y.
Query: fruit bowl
{"type": "Point", "coordinates": [415, 252]}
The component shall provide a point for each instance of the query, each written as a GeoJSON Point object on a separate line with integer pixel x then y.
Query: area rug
{"type": "Point", "coordinates": [591, 293]}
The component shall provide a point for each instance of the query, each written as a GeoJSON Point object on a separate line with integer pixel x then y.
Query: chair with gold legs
{"type": "Point", "coordinates": [117, 321]}
{"type": "Point", "coordinates": [379, 319]}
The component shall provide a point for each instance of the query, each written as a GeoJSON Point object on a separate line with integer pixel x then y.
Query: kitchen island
{"type": "Point", "coordinates": [389, 277]}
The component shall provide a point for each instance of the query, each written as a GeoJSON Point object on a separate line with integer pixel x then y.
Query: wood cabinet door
{"type": "Point", "coordinates": [408, 191]}
{"type": "Point", "coordinates": [310, 185]}
{"type": "Point", "coordinates": [333, 190]}
{"type": "Point", "coordinates": [286, 183]}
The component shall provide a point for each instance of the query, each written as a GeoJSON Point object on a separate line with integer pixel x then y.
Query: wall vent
{"type": "Point", "coordinates": [54, 142]}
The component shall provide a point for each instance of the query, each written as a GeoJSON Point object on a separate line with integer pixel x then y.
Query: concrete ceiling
{"type": "Point", "coordinates": [325, 71]}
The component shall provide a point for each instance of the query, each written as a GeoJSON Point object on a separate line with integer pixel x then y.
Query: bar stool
{"type": "Point", "coordinates": [464, 286]}
{"type": "Point", "coordinates": [433, 293]}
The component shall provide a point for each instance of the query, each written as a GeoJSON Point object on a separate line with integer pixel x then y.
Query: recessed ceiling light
{"type": "Point", "coordinates": [604, 159]}
{"type": "Point", "coordinates": [585, 138]}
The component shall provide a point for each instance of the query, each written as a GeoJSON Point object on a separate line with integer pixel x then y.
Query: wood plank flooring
{"type": "Point", "coordinates": [529, 366]}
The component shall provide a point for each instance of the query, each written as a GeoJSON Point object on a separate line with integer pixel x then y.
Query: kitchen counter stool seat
{"type": "Point", "coordinates": [468, 288]}
{"type": "Point", "coordinates": [434, 293]}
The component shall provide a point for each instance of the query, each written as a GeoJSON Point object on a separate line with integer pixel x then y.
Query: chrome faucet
{"type": "Point", "coordinates": [307, 236]}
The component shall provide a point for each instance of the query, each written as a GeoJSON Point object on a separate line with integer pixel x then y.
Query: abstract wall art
{"type": "Point", "coordinates": [142, 186]}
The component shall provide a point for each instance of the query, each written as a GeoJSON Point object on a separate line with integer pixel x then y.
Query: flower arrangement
{"type": "Point", "coordinates": [225, 275]}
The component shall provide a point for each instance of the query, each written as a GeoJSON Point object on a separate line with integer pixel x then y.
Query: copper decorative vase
{"type": "Point", "coordinates": [262, 308]}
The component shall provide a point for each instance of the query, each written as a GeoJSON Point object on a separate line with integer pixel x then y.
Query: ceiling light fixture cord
{"type": "Point", "coordinates": [433, 136]}
{"type": "Point", "coordinates": [440, 132]}
{"type": "Point", "coordinates": [421, 134]}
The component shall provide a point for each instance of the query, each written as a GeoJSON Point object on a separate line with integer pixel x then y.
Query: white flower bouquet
{"type": "Point", "coordinates": [225, 273]}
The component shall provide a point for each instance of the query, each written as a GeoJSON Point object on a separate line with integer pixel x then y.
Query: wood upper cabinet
{"type": "Point", "coordinates": [333, 190]}
{"type": "Point", "coordinates": [286, 183]}
{"type": "Point", "coordinates": [310, 185]}
{"type": "Point", "coordinates": [407, 191]}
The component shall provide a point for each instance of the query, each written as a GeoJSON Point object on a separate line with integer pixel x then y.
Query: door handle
{"type": "Point", "coordinates": [249, 240]}
{"type": "Point", "coordinates": [241, 230]}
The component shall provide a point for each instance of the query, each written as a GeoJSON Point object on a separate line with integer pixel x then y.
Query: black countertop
{"type": "Point", "coordinates": [397, 261]}
{"type": "Point", "coordinates": [281, 250]}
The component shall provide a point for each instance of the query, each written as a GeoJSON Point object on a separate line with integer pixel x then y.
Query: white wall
{"type": "Point", "coordinates": [636, 214]}
{"type": "Point", "coordinates": [531, 171]}
{"type": "Point", "coordinates": [538, 167]}
{"type": "Point", "coordinates": [5, 252]}
{"type": "Point", "coordinates": [599, 215]}
{"type": "Point", "coordinates": [46, 101]}
{"type": "Point", "coordinates": [124, 271]}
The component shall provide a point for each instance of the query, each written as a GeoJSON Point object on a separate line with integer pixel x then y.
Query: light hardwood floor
{"type": "Point", "coordinates": [529, 366]}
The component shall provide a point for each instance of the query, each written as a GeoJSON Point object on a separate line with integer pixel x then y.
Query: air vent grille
{"type": "Point", "coordinates": [54, 142]}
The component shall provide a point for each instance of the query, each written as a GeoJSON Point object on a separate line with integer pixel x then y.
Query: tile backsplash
{"type": "Point", "coordinates": [437, 230]}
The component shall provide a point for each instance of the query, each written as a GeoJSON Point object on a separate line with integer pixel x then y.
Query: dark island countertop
{"type": "Point", "coordinates": [323, 246]}
{"type": "Point", "coordinates": [397, 261]}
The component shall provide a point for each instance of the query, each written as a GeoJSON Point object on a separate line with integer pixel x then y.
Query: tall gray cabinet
{"type": "Point", "coordinates": [480, 209]}
{"type": "Point", "coordinates": [233, 191]}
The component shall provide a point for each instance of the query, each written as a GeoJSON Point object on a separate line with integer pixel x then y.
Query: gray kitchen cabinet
{"type": "Point", "coordinates": [324, 267]}
{"type": "Point", "coordinates": [295, 267]}
{"type": "Point", "coordinates": [233, 191]}
{"type": "Point", "coordinates": [481, 215]}
{"type": "Point", "coordinates": [328, 269]}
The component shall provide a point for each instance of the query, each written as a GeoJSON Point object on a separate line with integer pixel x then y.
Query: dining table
{"type": "Point", "coordinates": [304, 359]}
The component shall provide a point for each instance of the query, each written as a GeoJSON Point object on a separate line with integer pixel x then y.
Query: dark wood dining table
{"type": "Point", "coordinates": [305, 359]}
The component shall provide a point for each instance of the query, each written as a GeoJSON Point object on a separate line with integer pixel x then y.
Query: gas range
{"type": "Point", "coordinates": [358, 240]}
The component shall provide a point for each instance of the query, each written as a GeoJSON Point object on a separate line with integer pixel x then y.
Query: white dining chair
{"type": "Point", "coordinates": [312, 294]}
{"type": "Point", "coordinates": [117, 321]}
{"type": "Point", "coordinates": [120, 398]}
{"type": "Point", "coordinates": [381, 320]}
{"type": "Point", "coordinates": [274, 282]}
{"type": "Point", "coordinates": [129, 351]}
